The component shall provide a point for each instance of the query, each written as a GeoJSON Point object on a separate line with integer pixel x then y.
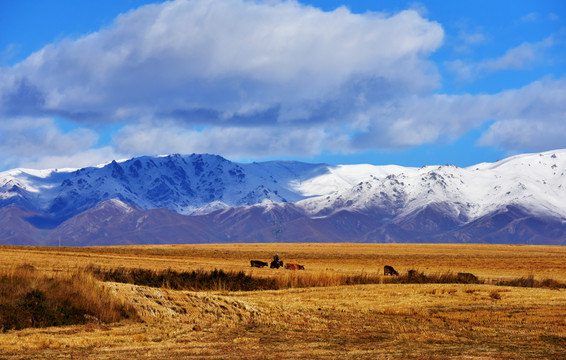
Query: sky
{"type": "Point", "coordinates": [383, 82]}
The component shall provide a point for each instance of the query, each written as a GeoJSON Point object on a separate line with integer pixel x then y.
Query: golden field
{"type": "Point", "coordinates": [323, 321]}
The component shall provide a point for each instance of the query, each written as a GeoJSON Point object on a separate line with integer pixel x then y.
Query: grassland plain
{"type": "Point", "coordinates": [375, 321]}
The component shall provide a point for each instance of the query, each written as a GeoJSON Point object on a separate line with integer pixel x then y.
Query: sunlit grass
{"type": "Point", "coordinates": [341, 306]}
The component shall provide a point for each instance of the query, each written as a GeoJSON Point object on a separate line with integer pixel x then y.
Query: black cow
{"type": "Point", "coordinates": [257, 263]}
{"type": "Point", "coordinates": [276, 264]}
{"type": "Point", "coordinates": [388, 270]}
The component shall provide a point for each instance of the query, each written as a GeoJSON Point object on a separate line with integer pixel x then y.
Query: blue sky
{"type": "Point", "coordinates": [381, 82]}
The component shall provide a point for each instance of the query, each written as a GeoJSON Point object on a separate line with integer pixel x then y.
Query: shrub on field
{"type": "Point", "coordinates": [416, 277]}
{"type": "Point", "coordinates": [31, 298]}
{"type": "Point", "coordinates": [530, 281]}
{"type": "Point", "coordinates": [188, 280]}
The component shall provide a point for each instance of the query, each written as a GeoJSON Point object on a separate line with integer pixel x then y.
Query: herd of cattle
{"type": "Point", "coordinates": [276, 265]}
{"type": "Point", "coordinates": [387, 270]}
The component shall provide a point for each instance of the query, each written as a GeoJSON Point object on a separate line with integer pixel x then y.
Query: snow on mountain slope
{"type": "Point", "coordinates": [342, 177]}
{"type": "Point", "coordinates": [185, 184]}
{"type": "Point", "coordinates": [200, 184]}
{"type": "Point", "coordinates": [535, 182]}
{"type": "Point", "coordinates": [32, 188]}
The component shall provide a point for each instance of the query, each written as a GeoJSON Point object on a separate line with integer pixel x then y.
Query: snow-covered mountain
{"type": "Point", "coordinates": [183, 184]}
{"type": "Point", "coordinates": [206, 198]}
{"type": "Point", "coordinates": [535, 182]}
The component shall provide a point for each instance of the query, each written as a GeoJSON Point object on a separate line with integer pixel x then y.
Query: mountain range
{"type": "Point", "coordinates": [203, 198]}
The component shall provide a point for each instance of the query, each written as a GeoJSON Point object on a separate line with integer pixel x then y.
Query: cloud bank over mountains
{"type": "Point", "coordinates": [246, 77]}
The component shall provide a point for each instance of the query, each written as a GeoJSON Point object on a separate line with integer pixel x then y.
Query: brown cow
{"type": "Point", "coordinates": [388, 270]}
{"type": "Point", "coordinates": [294, 267]}
{"type": "Point", "coordinates": [257, 263]}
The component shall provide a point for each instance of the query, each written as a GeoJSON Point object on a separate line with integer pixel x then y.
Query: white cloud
{"type": "Point", "coordinates": [29, 136]}
{"type": "Point", "coordinates": [25, 139]}
{"type": "Point", "coordinates": [525, 134]}
{"type": "Point", "coordinates": [234, 142]}
{"type": "Point", "coordinates": [466, 40]}
{"type": "Point", "coordinates": [399, 123]}
{"type": "Point", "coordinates": [530, 17]}
{"type": "Point", "coordinates": [516, 58]}
{"type": "Point", "coordinates": [221, 58]}
{"type": "Point", "coordinates": [520, 57]}
{"type": "Point", "coordinates": [532, 117]}
{"type": "Point", "coordinates": [527, 115]}
{"type": "Point", "coordinates": [83, 158]}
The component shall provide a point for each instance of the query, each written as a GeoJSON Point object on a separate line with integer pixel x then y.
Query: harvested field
{"type": "Point", "coordinates": [371, 321]}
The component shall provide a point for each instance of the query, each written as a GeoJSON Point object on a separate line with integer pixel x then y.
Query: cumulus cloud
{"type": "Point", "coordinates": [227, 59]}
{"type": "Point", "coordinates": [25, 139]}
{"type": "Point", "coordinates": [522, 119]}
{"type": "Point", "coordinates": [529, 118]}
{"type": "Point", "coordinates": [45, 136]}
{"type": "Point", "coordinates": [237, 142]}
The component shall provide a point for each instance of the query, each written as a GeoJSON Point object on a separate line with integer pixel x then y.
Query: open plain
{"type": "Point", "coordinates": [314, 315]}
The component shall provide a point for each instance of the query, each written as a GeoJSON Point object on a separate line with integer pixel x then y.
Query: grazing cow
{"type": "Point", "coordinates": [467, 277]}
{"type": "Point", "coordinates": [388, 270]}
{"type": "Point", "coordinates": [257, 263]}
{"type": "Point", "coordinates": [276, 264]}
{"type": "Point", "coordinates": [294, 267]}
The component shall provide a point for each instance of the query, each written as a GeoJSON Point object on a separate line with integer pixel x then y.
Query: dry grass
{"type": "Point", "coordinates": [32, 298]}
{"type": "Point", "coordinates": [486, 261]}
{"type": "Point", "coordinates": [375, 321]}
